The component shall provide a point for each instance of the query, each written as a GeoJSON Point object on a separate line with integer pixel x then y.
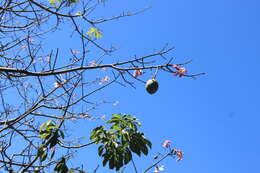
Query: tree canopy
{"type": "Point", "coordinates": [44, 87]}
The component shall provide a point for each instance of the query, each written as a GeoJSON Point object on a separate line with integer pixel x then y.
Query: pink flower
{"type": "Point", "coordinates": [24, 47]}
{"type": "Point", "coordinates": [179, 154]}
{"type": "Point", "coordinates": [85, 115]}
{"type": "Point", "coordinates": [137, 73]}
{"type": "Point", "coordinates": [48, 59]}
{"type": "Point", "coordinates": [105, 79]}
{"type": "Point", "coordinates": [31, 40]}
{"type": "Point", "coordinates": [180, 70]}
{"type": "Point", "coordinates": [103, 69]}
{"type": "Point", "coordinates": [75, 52]}
{"type": "Point", "coordinates": [166, 144]}
{"type": "Point", "coordinates": [93, 64]}
{"type": "Point", "coordinates": [57, 84]}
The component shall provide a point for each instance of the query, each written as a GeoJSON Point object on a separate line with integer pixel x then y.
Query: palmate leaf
{"type": "Point", "coordinates": [120, 141]}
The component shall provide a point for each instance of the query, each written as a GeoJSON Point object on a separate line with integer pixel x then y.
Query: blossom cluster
{"type": "Point", "coordinates": [174, 152]}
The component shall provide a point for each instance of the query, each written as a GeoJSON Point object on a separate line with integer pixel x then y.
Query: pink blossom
{"type": "Point", "coordinates": [31, 40]}
{"type": "Point", "coordinates": [57, 84]}
{"type": "Point", "coordinates": [137, 73]}
{"type": "Point", "coordinates": [105, 79]}
{"type": "Point", "coordinates": [42, 59]}
{"type": "Point", "coordinates": [24, 47]}
{"type": "Point", "coordinates": [93, 63]}
{"type": "Point", "coordinates": [73, 119]}
{"type": "Point", "coordinates": [103, 69]}
{"type": "Point", "coordinates": [180, 70]}
{"type": "Point", "coordinates": [179, 154]}
{"type": "Point", "coordinates": [166, 143]}
{"type": "Point", "coordinates": [48, 59]}
{"type": "Point", "coordinates": [75, 52]}
{"type": "Point", "coordinates": [85, 115]}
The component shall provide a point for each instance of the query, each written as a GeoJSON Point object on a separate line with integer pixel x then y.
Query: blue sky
{"type": "Point", "coordinates": [213, 119]}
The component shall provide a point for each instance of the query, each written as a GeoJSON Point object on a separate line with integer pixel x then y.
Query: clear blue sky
{"type": "Point", "coordinates": [213, 119]}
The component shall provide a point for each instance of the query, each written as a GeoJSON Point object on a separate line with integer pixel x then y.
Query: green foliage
{"type": "Point", "coordinates": [36, 170]}
{"type": "Point", "coordinates": [61, 166]}
{"type": "Point", "coordinates": [54, 1]}
{"type": "Point", "coordinates": [42, 153]}
{"type": "Point", "coordinates": [50, 134]}
{"type": "Point", "coordinates": [68, 2]}
{"type": "Point", "coordinates": [120, 141]}
{"type": "Point", "coordinates": [94, 32]}
{"type": "Point", "coordinates": [76, 170]}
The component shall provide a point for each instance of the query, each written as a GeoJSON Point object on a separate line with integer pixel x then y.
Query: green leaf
{"type": "Point", "coordinates": [43, 157]}
{"type": "Point", "coordinates": [120, 160]}
{"type": "Point", "coordinates": [42, 153]}
{"type": "Point", "coordinates": [144, 149]}
{"type": "Point", "coordinates": [148, 142]}
{"type": "Point", "coordinates": [112, 162]}
{"type": "Point", "coordinates": [94, 32]}
{"type": "Point", "coordinates": [50, 127]}
{"type": "Point", "coordinates": [116, 127]}
{"type": "Point", "coordinates": [45, 124]}
{"type": "Point", "coordinates": [128, 156]}
{"type": "Point", "coordinates": [54, 140]}
{"type": "Point", "coordinates": [113, 120]}
{"type": "Point", "coordinates": [100, 150]}
{"type": "Point", "coordinates": [117, 116]}
{"type": "Point", "coordinates": [61, 166]}
{"type": "Point", "coordinates": [105, 160]}
{"type": "Point", "coordinates": [73, 1]}
{"type": "Point", "coordinates": [45, 135]}
{"type": "Point", "coordinates": [71, 170]}
{"type": "Point", "coordinates": [36, 170]}
{"type": "Point", "coordinates": [135, 148]}
{"type": "Point", "coordinates": [54, 1]}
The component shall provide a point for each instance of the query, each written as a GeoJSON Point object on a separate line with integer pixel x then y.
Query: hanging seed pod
{"type": "Point", "coordinates": [151, 86]}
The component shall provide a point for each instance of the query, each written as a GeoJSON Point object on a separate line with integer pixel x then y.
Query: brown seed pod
{"type": "Point", "coordinates": [151, 86]}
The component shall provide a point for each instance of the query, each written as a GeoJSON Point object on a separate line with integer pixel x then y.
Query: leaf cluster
{"type": "Point", "coordinates": [50, 134]}
{"type": "Point", "coordinates": [120, 141]}
{"type": "Point", "coordinates": [94, 32]}
{"type": "Point", "coordinates": [69, 2]}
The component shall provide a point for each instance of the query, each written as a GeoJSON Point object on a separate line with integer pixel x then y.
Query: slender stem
{"type": "Point", "coordinates": [155, 74]}
{"type": "Point", "coordinates": [134, 166]}
{"type": "Point", "coordinates": [96, 169]}
{"type": "Point", "coordinates": [153, 165]}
